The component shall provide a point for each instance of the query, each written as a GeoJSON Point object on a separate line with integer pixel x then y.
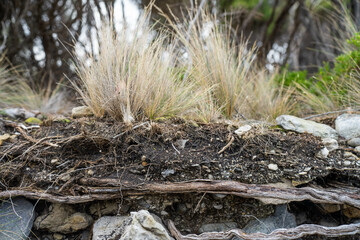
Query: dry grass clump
{"type": "Point", "coordinates": [15, 91]}
{"type": "Point", "coordinates": [198, 73]}
{"type": "Point", "coordinates": [135, 77]}
{"type": "Point", "coordinates": [238, 86]}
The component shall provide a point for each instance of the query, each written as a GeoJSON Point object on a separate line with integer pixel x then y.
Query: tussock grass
{"type": "Point", "coordinates": [135, 77]}
{"type": "Point", "coordinates": [238, 86]}
{"type": "Point", "coordinates": [196, 72]}
{"type": "Point", "coordinates": [15, 91]}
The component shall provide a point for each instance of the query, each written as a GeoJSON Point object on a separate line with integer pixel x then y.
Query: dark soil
{"type": "Point", "coordinates": [154, 152]}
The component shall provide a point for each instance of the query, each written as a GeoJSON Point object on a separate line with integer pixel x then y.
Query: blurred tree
{"type": "Point", "coordinates": [38, 34]}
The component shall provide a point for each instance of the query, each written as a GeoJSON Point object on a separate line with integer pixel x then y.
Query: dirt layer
{"type": "Point", "coordinates": [61, 156]}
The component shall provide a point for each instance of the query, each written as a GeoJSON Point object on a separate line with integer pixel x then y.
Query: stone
{"type": "Point", "coordinates": [16, 224]}
{"type": "Point", "coordinates": [140, 225]}
{"type": "Point", "coordinates": [281, 219]}
{"type": "Point", "coordinates": [357, 149]}
{"type": "Point", "coordinates": [348, 125]}
{"type": "Point", "coordinates": [18, 113]}
{"type": "Point", "coordinates": [330, 144]}
{"type": "Point", "coordinates": [351, 212]}
{"type": "Point", "coordinates": [218, 227]}
{"type": "Point", "coordinates": [323, 153]}
{"type": "Point", "coordinates": [109, 227]}
{"type": "Point", "coordinates": [167, 172]}
{"type": "Point", "coordinates": [350, 156]}
{"type": "Point", "coordinates": [306, 126]}
{"type": "Point", "coordinates": [354, 142]}
{"type": "Point", "coordinates": [4, 138]}
{"type": "Point", "coordinates": [243, 129]}
{"type": "Point", "coordinates": [273, 166]}
{"type": "Point", "coordinates": [58, 236]}
{"type": "Point", "coordinates": [331, 208]}
{"type": "Point", "coordinates": [347, 163]}
{"type": "Point", "coordinates": [105, 208]}
{"type": "Point", "coordinates": [63, 219]}
{"type": "Point", "coordinates": [82, 111]}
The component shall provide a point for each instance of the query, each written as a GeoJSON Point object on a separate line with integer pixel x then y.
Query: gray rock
{"type": "Point", "coordinates": [357, 149]}
{"type": "Point", "coordinates": [140, 225]}
{"type": "Point", "coordinates": [83, 111]}
{"type": "Point", "coordinates": [354, 142]}
{"type": "Point", "coordinates": [167, 172]}
{"type": "Point", "coordinates": [16, 219]}
{"type": "Point", "coordinates": [330, 144]}
{"type": "Point", "coordinates": [64, 219]}
{"type": "Point", "coordinates": [218, 227]}
{"type": "Point", "coordinates": [281, 219]}
{"type": "Point", "coordinates": [348, 125]}
{"type": "Point", "coordinates": [306, 126]}
{"type": "Point", "coordinates": [109, 227]}
{"type": "Point", "coordinates": [350, 156]}
{"type": "Point", "coordinates": [242, 130]}
{"type": "Point", "coordinates": [323, 153]}
{"type": "Point", "coordinates": [18, 113]}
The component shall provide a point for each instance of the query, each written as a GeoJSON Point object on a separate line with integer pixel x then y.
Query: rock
{"type": "Point", "coordinates": [351, 212]}
{"type": "Point", "coordinates": [350, 156]}
{"type": "Point", "coordinates": [306, 126]}
{"type": "Point", "coordinates": [106, 208]}
{"type": "Point", "coordinates": [218, 196]}
{"type": "Point", "coordinates": [140, 225]}
{"type": "Point", "coordinates": [218, 227]}
{"type": "Point", "coordinates": [347, 163]}
{"type": "Point", "coordinates": [273, 166]}
{"type": "Point", "coordinates": [331, 208]}
{"type": "Point", "coordinates": [348, 125]}
{"type": "Point", "coordinates": [109, 227]}
{"type": "Point", "coordinates": [4, 138]}
{"type": "Point", "coordinates": [63, 219]}
{"type": "Point", "coordinates": [243, 129]}
{"type": "Point", "coordinates": [167, 172]}
{"type": "Point", "coordinates": [330, 144]}
{"type": "Point", "coordinates": [33, 121]}
{"type": "Point", "coordinates": [354, 142]}
{"type": "Point", "coordinates": [357, 149]}
{"type": "Point", "coordinates": [281, 219]}
{"type": "Point", "coordinates": [18, 113]}
{"type": "Point", "coordinates": [58, 236]}
{"type": "Point", "coordinates": [18, 224]}
{"type": "Point", "coordinates": [323, 153]}
{"type": "Point", "coordinates": [180, 144]}
{"type": "Point", "coordinates": [83, 111]}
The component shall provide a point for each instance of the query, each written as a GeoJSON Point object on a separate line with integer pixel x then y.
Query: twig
{"type": "Point", "coordinates": [135, 127]}
{"type": "Point", "coordinates": [227, 145]}
{"type": "Point", "coordinates": [198, 204]}
{"type": "Point", "coordinates": [332, 112]}
{"type": "Point", "coordinates": [175, 148]}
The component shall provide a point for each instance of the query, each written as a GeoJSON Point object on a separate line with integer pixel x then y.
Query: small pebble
{"type": "Point", "coordinates": [243, 129]}
{"type": "Point", "coordinates": [354, 142]}
{"type": "Point", "coordinates": [347, 163]}
{"type": "Point", "coordinates": [357, 149]}
{"type": "Point", "coordinates": [218, 206]}
{"type": "Point", "coordinates": [323, 153]}
{"type": "Point", "coordinates": [273, 167]}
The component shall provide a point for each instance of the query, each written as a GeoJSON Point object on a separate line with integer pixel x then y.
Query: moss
{"type": "Point", "coordinates": [33, 121]}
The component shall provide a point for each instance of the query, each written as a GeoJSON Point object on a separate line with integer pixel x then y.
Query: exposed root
{"type": "Point", "coordinates": [227, 145]}
{"type": "Point", "coordinates": [283, 233]}
{"type": "Point", "coordinates": [102, 189]}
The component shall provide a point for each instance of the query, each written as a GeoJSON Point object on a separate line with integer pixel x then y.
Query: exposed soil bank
{"type": "Point", "coordinates": [166, 166]}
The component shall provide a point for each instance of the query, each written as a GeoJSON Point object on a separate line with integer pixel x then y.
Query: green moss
{"type": "Point", "coordinates": [33, 121]}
